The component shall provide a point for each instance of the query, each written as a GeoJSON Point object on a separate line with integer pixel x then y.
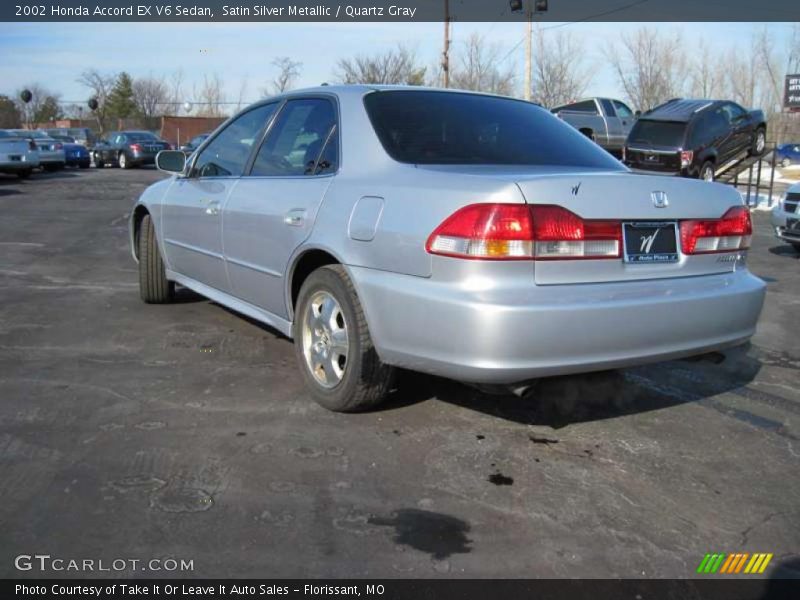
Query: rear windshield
{"type": "Point", "coordinates": [657, 133]}
{"type": "Point", "coordinates": [423, 127]}
{"type": "Point", "coordinates": [142, 137]}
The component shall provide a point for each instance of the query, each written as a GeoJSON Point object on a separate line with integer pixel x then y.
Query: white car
{"type": "Point", "coordinates": [786, 217]}
{"type": "Point", "coordinates": [18, 156]}
{"type": "Point", "coordinates": [51, 152]}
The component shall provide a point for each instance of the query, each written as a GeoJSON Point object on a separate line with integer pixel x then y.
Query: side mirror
{"type": "Point", "coordinates": [637, 114]}
{"type": "Point", "coordinates": [171, 161]}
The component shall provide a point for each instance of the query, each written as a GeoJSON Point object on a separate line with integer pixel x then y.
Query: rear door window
{"type": "Point", "coordinates": [608, 108]}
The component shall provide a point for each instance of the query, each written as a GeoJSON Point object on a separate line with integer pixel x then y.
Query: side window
{"type": "Point", "coordinates": [608, 108]}
{"type": "Point", "coordinates": [587, 106]}
{"type": "Point", "coordinates": [120, 139]}
{"type": "Point", "coordinates": [734, 111]}
{"type": "Point", "coordinates": [622, 110]}
{"type": "Point", "coordinates": [296, 144]}
{"type": "Point", "coordinates": [227, 153]}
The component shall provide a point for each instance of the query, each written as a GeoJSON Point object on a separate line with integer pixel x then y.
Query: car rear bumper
{"type": "Point", "coordinates": [12, 163]}
{"type": "Point", "coordinates": [143, 158]}
{"type": "Point", "coordinates": [519, 332]}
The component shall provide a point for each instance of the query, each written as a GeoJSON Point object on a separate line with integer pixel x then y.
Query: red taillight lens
{"type": "Point", "coordinates": [136, 147]}
{"type": "Point", "coordinates": [732, 232]}
{"type": "Point", "coordinates": [561, 234]}
{"type": "Point", "coordinates": [520, 232]}
{"type": "Point", "coordinates": [59, 146]}
{"type": "Point", "coordinates": [687, 156]}
{"type": "Point", "coordinates": [487, 231]}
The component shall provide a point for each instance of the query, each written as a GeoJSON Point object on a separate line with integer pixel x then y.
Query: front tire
{"type": "Point", "coordinates": [99, 163]}
{"type": "Point", "coordinates": [333, 346]}
{"type": "Point", "coordinates": [154, 288]}
{"type": "Point", "coordinates": [759, 142]}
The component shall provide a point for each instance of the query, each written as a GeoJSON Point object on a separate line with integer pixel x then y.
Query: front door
{"type": "Point", "coordinates": [271, 211]}
{"type": "Point", "coordinates": [192, 207]}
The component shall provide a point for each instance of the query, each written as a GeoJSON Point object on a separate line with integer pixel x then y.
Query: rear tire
{"type": "Point", "coordinates": [796, 248]}
{"type": "Point", "coordinates": [154, 288]}
{"type": "Point", "coordinates": [786, 163]}
{"type": "Point", "coordinates": [123, 162]}
{"type": "Point", "coordinates": [360, 381]}
{"type": "Point", "coordinates": [707, 171]}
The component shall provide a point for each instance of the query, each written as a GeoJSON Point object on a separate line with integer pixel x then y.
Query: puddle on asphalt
{"type": "Point", "coordinates": [434, 533]}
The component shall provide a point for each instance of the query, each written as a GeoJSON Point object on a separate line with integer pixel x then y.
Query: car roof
{"type": "Point", "coordinates": [679, 109]}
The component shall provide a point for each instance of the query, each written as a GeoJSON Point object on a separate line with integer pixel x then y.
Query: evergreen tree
{"type": "Point", "coordinates": [121, 102]}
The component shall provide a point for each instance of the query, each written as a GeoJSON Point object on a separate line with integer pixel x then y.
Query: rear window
{"type": "Point", "coordinates": [422, 127]}
{"type": "Point", "coordinates": [657, 133]}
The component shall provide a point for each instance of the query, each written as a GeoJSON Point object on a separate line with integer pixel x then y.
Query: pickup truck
{"type": "Point", "coordinates": [604, 120]}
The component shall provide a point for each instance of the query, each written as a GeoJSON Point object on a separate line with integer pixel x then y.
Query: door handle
{"type": "Point", "coordinates": [295, 217]}
{"type": "Point", "coordinates": [212, 208]}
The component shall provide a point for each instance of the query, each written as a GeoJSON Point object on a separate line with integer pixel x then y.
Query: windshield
{"type": "Point", "coordinates": [38, 135]}
{"type": "Point", "coordinates": [426, 127]}
{"type": "Point", "coordinates": [657, 133]}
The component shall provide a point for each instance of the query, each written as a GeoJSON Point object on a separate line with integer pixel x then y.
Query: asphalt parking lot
{"type": "Point", "coordinates": [136, 431]}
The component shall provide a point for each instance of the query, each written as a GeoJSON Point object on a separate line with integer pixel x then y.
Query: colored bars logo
{"type": "Point", "coordinates": [739, 562]}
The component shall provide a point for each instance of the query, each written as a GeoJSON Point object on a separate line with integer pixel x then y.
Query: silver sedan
{"type": "Point", "coordinates": [470, 236]}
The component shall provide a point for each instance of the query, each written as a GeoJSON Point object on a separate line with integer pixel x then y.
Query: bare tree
{"type": "Point", "coordinates": [176, 98]}
{"type": "Point", "coordinates": [707, 79]}
{"type": "Point", "coordinates": [288, 72]}
{"type": "Point", "coordinates": [477, 68]}
{"type": "Point", "coordinates": [650, 67]}
{"type": "Point", "coordinates": [211, 96]}
{"type": "Point", "coordinates": [100, 87]}
{"type": "Point", "coordinates": [391, 67]}
{"type": "Point", "coordinates": [43, 106]}
{"type": "Point", "coordinates": [242, 95]}
{"type": "Point", "coordinates": [151, 96]}
{"type": "Point", "coordinates": [559, 76]}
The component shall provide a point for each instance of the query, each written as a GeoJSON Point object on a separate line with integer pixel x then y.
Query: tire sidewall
{"type": "Point", "coordinates": [327, 280]}
{"type": "Point", "coordinates": [706, 166]}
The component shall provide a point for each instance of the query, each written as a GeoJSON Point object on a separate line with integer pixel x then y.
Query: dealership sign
{"type": "Point", "coordinates": [791, 98]}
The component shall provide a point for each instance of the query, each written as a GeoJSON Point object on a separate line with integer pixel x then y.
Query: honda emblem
{"type": "Point", "coordinates": [660, 199]}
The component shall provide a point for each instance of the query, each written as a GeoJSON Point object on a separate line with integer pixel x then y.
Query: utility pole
{"type": "Point", "coordinates": [528, 50]}
{"type": "Point", "coordinates": [530, 7]}
{"type": "Point", "coordinates": [446, 49]}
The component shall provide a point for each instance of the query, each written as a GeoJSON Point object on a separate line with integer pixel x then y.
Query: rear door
{"type": "Point", "coordinates": [616, 136]}
{"type": "Point", "coordinates": [192, 207]}
{"type": "Point", "coordinates": [272, 210]}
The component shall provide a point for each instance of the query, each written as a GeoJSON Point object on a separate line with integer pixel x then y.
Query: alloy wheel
{"type": "Point", "coordinates": [325, 339]}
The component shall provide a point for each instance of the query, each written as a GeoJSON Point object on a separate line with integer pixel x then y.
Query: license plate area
{"type": "Point", "coordinates": [649, 242]}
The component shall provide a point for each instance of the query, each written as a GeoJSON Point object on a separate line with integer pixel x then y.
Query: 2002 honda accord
{"type": "Point", "coordinates": [470, 236]}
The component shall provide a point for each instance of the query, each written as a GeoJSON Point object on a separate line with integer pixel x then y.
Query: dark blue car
{"type": "Point", "coordinates": [787, 154]}
{"type": "Point", "coordinates": [75, 155]}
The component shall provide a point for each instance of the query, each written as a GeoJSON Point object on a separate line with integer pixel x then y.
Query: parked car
{"type": "Point", "coordinates": [194, 143]}
{"type": "Point", "coordinates": [384, 227]}
{"type": "Point", "coordinates": [82, 135]}
{"type": "Point", "coordinates": [603, 120]}
{"type": "Point", "coordinates": [127, 149]}
{"type": "Point", "coordinates": [75, 155]}
{"type": "Point", "coordinates": [693, 138]}
{"type": "Point", "coordinates": [786, 217]}
{"type": "Point", "coordinates": [51, 151]}
{"type": "Point", "coordinates": [18, 155]}
{"type": "Point", "coordinates": [787, 155]}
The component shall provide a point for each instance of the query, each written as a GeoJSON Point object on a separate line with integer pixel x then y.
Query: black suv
{"type": "Point", "coordinates": [693, 138]}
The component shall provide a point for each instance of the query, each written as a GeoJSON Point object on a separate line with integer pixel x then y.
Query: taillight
{"type": "Point", "coordinates": [687, 156]}
{"type": "Point", "coordinates": [732, 232]}
{"type": "Point", "coordinates": [59, 146]}
{"type": "Point", "coordinates": [522, 232]}
{"type": "Point", "coordinates": [561, 234]}
{"type": "Point", "coordinates": [136, 148]}
{"type": "Point", "coordinates": [486, 231]}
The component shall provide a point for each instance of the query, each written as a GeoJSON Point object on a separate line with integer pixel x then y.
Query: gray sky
{"type": "Point", "coordinates": [54, 54]}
